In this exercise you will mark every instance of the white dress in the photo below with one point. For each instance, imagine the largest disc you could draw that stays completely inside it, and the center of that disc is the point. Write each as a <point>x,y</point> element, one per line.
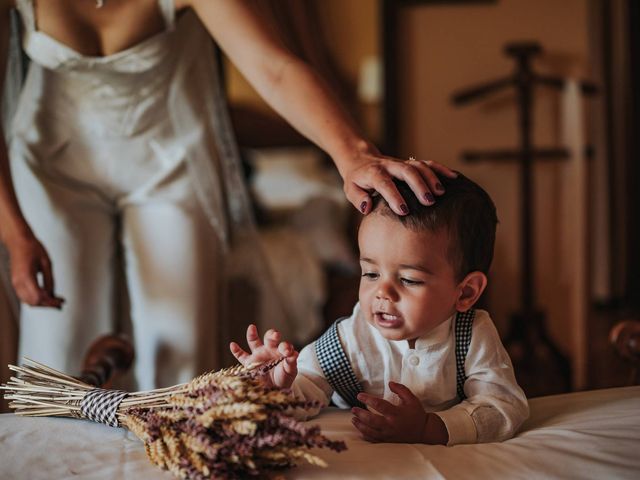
<point>131,157</point>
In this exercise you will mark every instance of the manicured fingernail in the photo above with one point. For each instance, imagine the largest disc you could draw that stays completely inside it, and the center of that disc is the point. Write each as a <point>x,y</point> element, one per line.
<point>404,209</point>
<point>430,198</point>
<point>363,206</point>
<point>439,187</point>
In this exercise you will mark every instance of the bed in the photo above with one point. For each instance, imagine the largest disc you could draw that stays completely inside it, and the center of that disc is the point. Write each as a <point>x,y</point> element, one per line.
<point>594,434</point>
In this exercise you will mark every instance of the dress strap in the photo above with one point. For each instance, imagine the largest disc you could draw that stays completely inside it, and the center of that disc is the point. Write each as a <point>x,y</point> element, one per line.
<point>336,366</point>
<point>168,10</point>
<point>25,8</point>
<point>463,330</point>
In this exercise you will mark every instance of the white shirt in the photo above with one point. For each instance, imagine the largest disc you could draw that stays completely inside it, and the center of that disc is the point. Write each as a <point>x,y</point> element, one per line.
<point>495,406</point>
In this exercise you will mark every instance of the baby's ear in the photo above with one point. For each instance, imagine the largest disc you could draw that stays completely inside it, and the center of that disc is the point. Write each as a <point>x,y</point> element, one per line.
<point>470,289</point>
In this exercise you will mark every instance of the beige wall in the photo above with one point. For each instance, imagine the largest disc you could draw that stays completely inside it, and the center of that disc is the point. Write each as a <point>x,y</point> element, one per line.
<point>351,32</point>
<point>448,47</point>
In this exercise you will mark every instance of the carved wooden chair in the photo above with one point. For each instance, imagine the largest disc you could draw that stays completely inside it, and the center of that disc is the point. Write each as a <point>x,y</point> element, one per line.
<point>625,337</point>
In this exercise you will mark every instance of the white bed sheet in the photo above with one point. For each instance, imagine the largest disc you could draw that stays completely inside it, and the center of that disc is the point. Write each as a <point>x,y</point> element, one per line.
<point>592,434</point>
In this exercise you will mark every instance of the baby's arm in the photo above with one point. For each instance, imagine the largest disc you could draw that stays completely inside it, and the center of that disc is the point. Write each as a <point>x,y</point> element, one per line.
<point>495,406</point>
<point>404,423</point>
<point>311,384</point>
<point>271,349</point>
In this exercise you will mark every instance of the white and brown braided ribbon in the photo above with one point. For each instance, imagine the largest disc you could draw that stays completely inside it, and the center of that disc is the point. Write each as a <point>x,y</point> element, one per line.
<point>102,406</point>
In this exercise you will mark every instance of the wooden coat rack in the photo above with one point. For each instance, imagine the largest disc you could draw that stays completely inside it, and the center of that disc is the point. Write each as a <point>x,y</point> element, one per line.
<point>530,346</point>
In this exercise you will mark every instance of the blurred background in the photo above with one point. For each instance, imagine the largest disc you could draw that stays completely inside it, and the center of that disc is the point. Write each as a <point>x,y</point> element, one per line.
<point>403,68</point>
<point>533,99</point>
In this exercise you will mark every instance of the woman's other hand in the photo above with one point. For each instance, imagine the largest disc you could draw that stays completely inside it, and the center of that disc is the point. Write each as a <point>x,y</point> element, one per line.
<point>32,273</point>
<point>270,349</point>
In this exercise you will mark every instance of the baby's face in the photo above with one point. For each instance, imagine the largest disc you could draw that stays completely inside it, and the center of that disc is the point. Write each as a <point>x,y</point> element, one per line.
<point>408,285</point>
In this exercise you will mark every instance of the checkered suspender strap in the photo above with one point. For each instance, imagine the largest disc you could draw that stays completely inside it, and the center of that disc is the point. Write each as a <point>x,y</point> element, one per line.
<point>336,366</point>
<point>339,373</point>
<point>464,323</point>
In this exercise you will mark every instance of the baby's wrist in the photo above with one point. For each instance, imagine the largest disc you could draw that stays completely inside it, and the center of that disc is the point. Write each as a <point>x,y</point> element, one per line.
<point>435,431</point>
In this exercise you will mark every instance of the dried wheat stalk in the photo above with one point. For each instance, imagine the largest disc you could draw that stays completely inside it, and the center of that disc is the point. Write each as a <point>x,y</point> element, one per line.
<point>224,424</point>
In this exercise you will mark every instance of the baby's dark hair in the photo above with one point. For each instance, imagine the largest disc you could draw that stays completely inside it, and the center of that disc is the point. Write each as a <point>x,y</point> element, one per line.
<point>465,211</point>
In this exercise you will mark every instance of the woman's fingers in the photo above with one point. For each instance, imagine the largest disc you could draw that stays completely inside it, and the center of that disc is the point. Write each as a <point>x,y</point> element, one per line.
<point>428,175</point>
<point>378,175</point>
<point>418,176</point>
<point>29,260</point>
<point>47,275</point>
<point>27,289</point>
<point>374,178</point>
<point>439,168</point>
<point>359,197</point>
<point>48,298</point>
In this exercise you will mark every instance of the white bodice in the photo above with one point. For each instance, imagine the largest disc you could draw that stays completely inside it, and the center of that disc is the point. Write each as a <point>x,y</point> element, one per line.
<point>119,94</point>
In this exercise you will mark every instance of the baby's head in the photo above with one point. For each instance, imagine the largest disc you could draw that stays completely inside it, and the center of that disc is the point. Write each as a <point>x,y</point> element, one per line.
<point>419,269</point>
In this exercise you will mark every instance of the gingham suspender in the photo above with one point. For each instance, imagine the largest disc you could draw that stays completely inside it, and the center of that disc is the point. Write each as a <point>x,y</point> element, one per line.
<point>462,329</point>
<point>338,371</point>
<point>336,366</point>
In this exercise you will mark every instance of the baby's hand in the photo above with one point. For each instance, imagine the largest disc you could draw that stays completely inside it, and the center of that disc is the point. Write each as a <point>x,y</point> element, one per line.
<point>285,372</point>
<point>404,423</point>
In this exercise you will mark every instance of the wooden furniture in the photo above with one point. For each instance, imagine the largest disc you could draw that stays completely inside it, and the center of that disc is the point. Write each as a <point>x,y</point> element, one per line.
<point>625,337</point>
<point>107,358</point>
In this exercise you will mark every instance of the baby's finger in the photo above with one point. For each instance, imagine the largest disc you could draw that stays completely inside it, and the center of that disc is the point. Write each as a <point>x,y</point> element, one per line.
<point>290,364</point>
<point>238,352</point>
<point>253,339</point>
<point>378,404</point>
<point>272,338</point>
<point>368,433</point>
<point>377,422</point>
<point>406,395</point>
<point>285,349</point>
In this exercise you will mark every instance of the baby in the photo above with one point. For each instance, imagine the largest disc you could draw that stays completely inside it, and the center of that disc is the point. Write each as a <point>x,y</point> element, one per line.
<point>414,361</point>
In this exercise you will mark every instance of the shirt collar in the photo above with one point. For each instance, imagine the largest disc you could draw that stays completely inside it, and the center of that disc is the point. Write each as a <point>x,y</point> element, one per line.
<point>434,337</point>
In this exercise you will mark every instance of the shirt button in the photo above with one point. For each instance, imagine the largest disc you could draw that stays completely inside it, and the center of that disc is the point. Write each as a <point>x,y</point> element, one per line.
<point>414,361</point>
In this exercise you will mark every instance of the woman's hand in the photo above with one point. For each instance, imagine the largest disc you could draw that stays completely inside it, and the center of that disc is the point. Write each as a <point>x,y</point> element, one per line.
<point>32,273</point>
<point>285,372</point>
<point>375,172</point>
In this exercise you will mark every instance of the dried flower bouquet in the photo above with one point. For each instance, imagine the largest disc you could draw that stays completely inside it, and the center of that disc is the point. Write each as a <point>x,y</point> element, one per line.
<point>224,424</point>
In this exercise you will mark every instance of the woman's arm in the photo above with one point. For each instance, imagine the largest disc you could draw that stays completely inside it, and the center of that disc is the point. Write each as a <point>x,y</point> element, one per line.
<point>296,92</point>
<point>27,256</point>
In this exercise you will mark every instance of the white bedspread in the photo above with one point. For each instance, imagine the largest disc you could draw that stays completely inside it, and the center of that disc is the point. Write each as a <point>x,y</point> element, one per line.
<point>592,434</point>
